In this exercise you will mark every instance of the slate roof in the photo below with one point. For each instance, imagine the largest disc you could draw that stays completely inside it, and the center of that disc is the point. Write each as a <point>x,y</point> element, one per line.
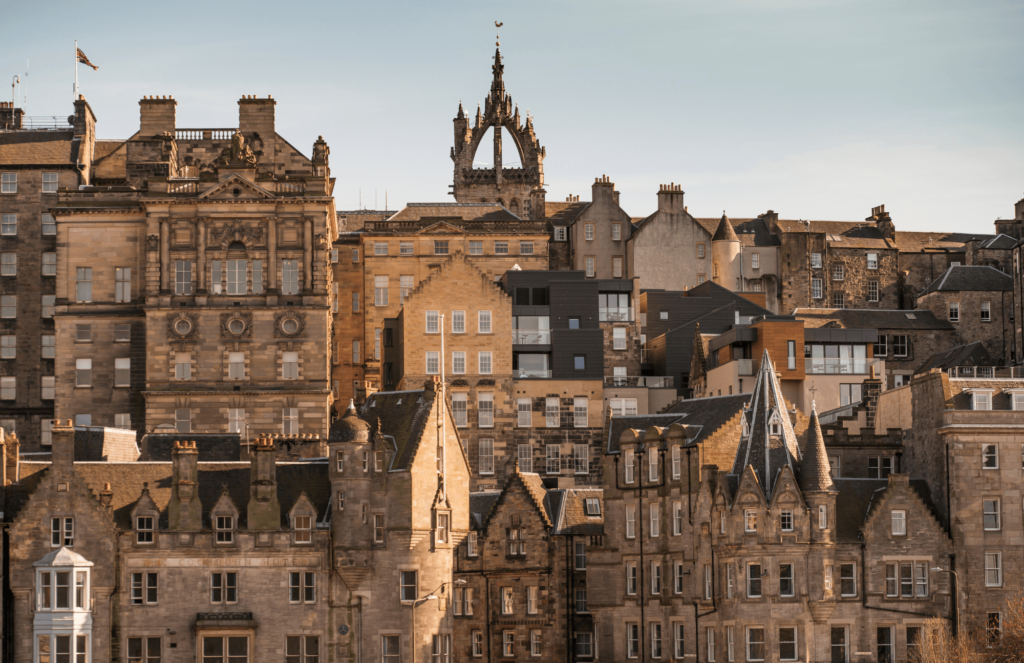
<point>37,148</point>
<point>703,415</point>
<point>976,278</point>
<point>850,234</point>
<point>110,444</point>
<point>971,354</point>
<point>851,318</point>
<point>104,148</point>
<point>571,514</point>
<point>480,505</point>
<point>999,242</point>
<point>564,213</point>
<point>127,481</point>
<point>400,416</point>
<point>463,211</point>
<point>766,454</point>
<point>212,447</point>
<point>918,242</point>
<point>856,499</point>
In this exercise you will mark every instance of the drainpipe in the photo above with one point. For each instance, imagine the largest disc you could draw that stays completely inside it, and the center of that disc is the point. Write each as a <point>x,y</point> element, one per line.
<point>570,587</point>
<point>359,642</point>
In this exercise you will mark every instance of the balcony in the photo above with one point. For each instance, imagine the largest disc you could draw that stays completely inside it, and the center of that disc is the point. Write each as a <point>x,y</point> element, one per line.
<point>985,372</point>
<point>836,366</point>
<point>531,337</point>
<point>530,373</point>
<point>615,314</point>
<point>651,381</point>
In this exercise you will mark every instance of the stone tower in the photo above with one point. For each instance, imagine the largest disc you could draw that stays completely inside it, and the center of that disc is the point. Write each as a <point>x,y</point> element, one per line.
<point>518,189</point>
<point>727,255</point>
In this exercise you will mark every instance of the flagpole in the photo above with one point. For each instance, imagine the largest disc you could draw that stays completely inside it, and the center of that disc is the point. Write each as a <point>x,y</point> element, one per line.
<point>76,71</point>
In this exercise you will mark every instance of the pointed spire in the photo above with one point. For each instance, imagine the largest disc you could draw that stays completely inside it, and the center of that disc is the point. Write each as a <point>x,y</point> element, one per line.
<point>462,113</point>
<point>815,473</point>
<point>725,231</point>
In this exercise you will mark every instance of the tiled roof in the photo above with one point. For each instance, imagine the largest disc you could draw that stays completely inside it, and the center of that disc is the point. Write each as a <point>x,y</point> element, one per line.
<point>851,318</point>
<point>564,213</point>
<point>766,454</point>
<point>725,231</point>
<point>535,487</point>
<point>944,242</point>
<point>703,416</point>
<point>571,517</point>
<point>110,444</point>
<point>618,425</point>
<point>103,148</point>
<point>480,505</point>
<point>127,481</point>
<point>971,354</point>
<point>999,242</point>
<point>978,278</point>
<point>30,148</point>
<point>401,416</point>
<point>464,211</point>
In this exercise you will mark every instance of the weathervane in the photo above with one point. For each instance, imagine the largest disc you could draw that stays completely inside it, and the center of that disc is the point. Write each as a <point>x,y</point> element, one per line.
<point>498,37</point>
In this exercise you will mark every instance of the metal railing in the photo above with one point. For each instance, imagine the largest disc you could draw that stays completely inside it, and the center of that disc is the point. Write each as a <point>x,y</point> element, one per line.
<point>832,416</point>
<point>650,381</point>
<point>38,122</point>
<point>835,366</point>
<point>616,314</point>
<point>204,134</point>
<point>986,372</point>
<point>531,337</point>
<point>527,373</point>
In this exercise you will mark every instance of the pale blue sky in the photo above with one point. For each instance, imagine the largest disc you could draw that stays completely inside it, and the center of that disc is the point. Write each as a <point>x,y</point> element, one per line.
<point>818,109</point>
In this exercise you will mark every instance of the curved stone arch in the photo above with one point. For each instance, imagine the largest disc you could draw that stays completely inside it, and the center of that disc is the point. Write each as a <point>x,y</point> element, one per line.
<point>478,133</point>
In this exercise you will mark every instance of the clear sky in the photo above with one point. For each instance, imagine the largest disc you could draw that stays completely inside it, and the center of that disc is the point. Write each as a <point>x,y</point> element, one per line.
<point>817,109</point>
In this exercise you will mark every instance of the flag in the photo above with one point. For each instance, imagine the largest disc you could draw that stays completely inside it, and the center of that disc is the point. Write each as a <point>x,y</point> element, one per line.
<point>84,60</point>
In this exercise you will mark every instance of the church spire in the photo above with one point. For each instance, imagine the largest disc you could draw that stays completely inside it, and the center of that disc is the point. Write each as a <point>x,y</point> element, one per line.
<point>815,472</point>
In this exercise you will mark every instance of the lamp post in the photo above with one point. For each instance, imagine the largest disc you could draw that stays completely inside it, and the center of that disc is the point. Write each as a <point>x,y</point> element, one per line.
<point>428,597</point>
<point>956,598</point>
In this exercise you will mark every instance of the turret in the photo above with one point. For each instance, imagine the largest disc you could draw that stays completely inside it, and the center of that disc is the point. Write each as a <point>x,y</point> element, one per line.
<point>351,465</point>
<point>816,484</point>
<point>726,255</point>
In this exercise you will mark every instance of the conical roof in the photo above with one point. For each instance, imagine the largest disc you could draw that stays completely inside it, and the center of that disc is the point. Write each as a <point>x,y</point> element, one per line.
<point>725,231</point>
<point>815,473</point>
<point>770,441</point>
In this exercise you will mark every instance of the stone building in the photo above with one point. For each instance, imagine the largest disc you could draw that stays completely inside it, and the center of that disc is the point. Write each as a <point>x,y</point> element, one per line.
<point>599,234</point>
<point>963,436</point>
<point>520,190</point>
<point>978,302</point>
<point>193,288</point>
<point>381,263</point>
<point>36,161</point>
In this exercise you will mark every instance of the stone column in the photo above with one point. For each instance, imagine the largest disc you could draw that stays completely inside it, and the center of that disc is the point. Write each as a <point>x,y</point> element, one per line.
<point>201,256</point>
<point>271,255</point>
<point>165,257</point>
<point>307,255</point>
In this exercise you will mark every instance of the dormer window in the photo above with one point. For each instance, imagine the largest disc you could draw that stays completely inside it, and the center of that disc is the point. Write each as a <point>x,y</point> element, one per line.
<point>775,425</point>
<point>593,506</point>
<point>1016,398</point>
<point>144,529</point>
<point>62,532</point>
<point>303,529</point>
<point>981,399</point>
<point>225,526</point>
<point>746,427</point>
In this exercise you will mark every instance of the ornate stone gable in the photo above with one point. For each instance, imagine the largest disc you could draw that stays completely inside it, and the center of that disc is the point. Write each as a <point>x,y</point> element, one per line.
<point>236,187</point>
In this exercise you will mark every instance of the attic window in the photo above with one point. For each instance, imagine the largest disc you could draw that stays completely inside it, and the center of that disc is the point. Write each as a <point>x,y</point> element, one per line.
<point>911,316</point>
<point>303,529</point>
<point>225,527</point>
<point>775,425</point>
<point>593,506</point>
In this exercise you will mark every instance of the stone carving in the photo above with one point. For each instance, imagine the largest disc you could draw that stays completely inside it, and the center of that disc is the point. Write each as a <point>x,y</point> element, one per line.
<point>187,329</point>
<point>320,241</point>
<point>236,326</point>
<point>153,242</point>
<point>238,153</point>
<point>289,324</point>
<point>250,234</point>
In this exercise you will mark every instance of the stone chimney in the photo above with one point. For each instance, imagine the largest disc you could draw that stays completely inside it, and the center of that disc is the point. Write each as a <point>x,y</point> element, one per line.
<point>63,449</point>
<point>603,191</point>
<point>670,199</point>
<point>157,116</point>
<point>10,117</point>
<point>256,123</point>
<point>85,134</point>
<point>264,510</point>
<point>184,511</point>
<point>11,449</point>
<point>882,221</point>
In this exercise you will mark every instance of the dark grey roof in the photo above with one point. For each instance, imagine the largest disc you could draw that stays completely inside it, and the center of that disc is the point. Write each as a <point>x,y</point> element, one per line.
<point>725,231</point>
<point>960,278</point>
<point>480,505</point>
<point>110,444</point>
<point>618,425</point>
<point>767,454</point>
<point>127,481</point>
<point>999,242</point>
<point>702,416</point>
<point>212,447</point>
<point>971,354</point>
<point>851,318</point>
<point>856,499</point>
<point>401,416</point>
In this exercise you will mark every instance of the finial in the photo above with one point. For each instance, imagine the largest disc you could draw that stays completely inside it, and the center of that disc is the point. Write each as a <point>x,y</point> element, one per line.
<point>497,38</point>
<point>814,407</point>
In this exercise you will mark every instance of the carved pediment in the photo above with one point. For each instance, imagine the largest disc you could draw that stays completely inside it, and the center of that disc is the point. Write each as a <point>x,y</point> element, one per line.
<point>442,228</point>
<point>249,233</point>
<point>236,187</point>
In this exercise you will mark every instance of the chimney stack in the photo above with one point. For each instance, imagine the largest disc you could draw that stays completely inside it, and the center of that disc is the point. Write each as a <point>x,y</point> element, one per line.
<point>184,511</point>
<point>157,116</point>
<point>670,199</point>
<point>10,117</point>
<point>63,449</point>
